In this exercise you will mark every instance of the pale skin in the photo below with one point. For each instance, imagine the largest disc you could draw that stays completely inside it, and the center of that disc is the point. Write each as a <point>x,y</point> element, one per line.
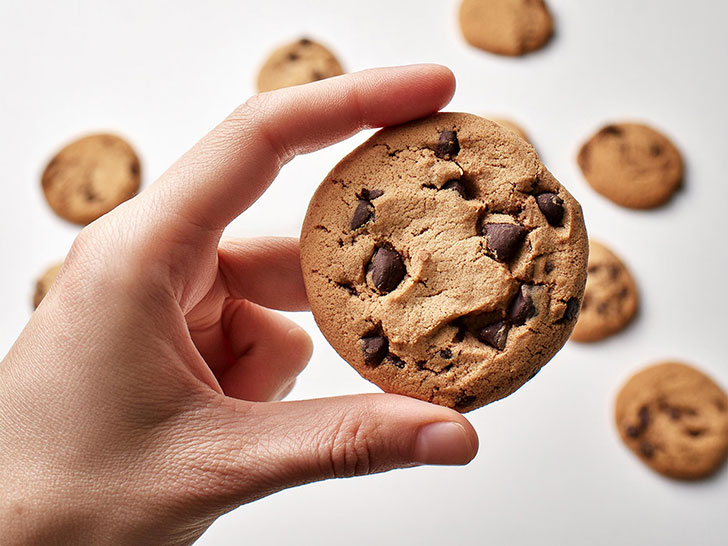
<point>142,400</point>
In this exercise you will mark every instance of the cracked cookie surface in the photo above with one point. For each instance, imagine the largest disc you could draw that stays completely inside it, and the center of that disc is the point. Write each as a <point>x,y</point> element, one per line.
<point>675,419</point>
<point>443,261</point>
<point>303,61</point>
<point>91,176</point>
<point>610,299</point>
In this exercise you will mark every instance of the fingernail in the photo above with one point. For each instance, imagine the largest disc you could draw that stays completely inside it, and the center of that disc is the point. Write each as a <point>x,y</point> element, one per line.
<point>444,443</point>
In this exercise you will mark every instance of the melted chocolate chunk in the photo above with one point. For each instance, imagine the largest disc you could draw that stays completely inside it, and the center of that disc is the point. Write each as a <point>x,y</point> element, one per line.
<point>375,348</point>
<point>387,269</point>
<point>448,145</point>
<point>446,354</point>
<point>495,334</point>
<point>552,207</point>
<point>362,214</point>
<point>456,185</point>
<point>521,307</point>
<point>504,240</point>
<point>373,194</point>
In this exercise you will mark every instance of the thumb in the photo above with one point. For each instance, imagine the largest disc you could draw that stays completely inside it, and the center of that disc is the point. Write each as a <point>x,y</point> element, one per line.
<point>272,446</point>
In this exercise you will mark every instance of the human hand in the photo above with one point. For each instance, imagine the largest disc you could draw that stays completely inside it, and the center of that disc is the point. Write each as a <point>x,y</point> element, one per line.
<point>139,403</point>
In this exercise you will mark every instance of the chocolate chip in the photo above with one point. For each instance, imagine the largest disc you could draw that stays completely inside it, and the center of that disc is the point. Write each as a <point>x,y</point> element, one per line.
<point>387,269</point>
<point>373,194</point>
<point>548,267</point>
<point>456,185</point>
<point>611,130</point>
<point>394,360</point>
<point>316,75</point>
<point>572,310</point>
<point>647,449</point>
<point>552,207</point>
<point>134,168</point>
<point>362,214</point>
<point>448,145</point>
<point>633,431</point>
<point>504,240</point>
<point>446,354</point>
<point>695,432</point>
<point>521,307</point>
<point>293,56</point>
<point>675,413</point>
<point>375,348</point>
<point>304,41</point>
<point>644,415</point>
<point>495,334</point>
<point>656,150</point>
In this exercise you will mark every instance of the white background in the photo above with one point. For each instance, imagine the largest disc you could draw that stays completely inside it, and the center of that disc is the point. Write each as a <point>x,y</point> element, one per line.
<point>551,469</point>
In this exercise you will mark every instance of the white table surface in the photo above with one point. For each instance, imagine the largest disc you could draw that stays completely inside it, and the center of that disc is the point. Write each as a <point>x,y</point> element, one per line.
<point>551,469</point>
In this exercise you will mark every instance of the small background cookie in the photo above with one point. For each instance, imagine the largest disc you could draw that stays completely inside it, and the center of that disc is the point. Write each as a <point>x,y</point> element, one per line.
<point>303,61</point>
<point>675,419</point>
<point>511,126</point>
<point>43,284</point>
<point>632,164</point>
<point>91,176</point>
<point>610,299</point>
<point>507,27</point>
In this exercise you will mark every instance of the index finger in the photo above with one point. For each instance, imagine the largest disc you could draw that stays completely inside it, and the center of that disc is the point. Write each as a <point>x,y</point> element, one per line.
<point>232,166</point>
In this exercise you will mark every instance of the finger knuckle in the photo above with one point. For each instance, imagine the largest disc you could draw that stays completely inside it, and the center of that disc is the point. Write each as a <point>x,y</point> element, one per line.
<point>349,451</point>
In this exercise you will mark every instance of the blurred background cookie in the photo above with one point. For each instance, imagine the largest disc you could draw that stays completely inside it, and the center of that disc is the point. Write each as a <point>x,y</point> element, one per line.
<point>506,27</point>
<point>611,297</point>
<point>632,165</point>
<point>91,176</point>
<point>511,126</point>
<point>44,282</point>
<point>675,419</point>
<point>303,61</point>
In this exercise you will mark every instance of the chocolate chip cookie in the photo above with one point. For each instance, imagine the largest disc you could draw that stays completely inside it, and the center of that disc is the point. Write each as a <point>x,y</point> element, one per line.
<point>675,419</point>
<point>43,284</point>
<point>443,261</point>
<point>91,176</point>
<point>610,299</point>
<point>506,27</point>
<point>303,61</point>
<point>632,164</point>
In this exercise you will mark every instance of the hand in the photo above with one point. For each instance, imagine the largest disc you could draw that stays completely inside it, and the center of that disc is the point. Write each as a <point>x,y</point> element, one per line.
<point>139,403</point>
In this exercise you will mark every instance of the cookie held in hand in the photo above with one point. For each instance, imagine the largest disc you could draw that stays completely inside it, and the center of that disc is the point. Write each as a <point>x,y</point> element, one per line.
<point>443,261</point>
